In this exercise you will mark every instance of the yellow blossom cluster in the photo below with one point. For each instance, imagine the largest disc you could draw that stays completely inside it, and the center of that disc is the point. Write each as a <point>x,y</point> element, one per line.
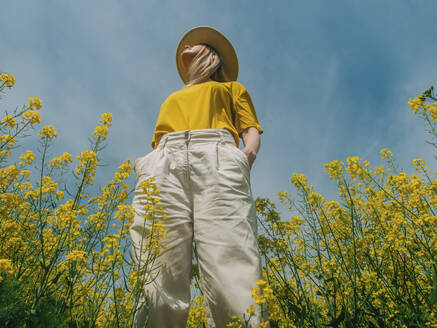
<point>154,212</point>
<point>77,256</point>
<point>236,322</point>
<point>417,103</point>
<point>432,109</point>
<point>196,314</point>
<point>35,102</point>
<point>299,181</point>
<point>334,169</point>
<point>101,131</point>
<point>314,198</point>
<point>59,243</point>
<point>27,158</point>
<point>8,121</point>
<point>124,171</point>
<point>48,132</point>
<point>64,159</point>
<point>262,293</point>
<point>88,163</point>
<point>7,141</point>
<point>7,79</point>
<point>386,155</point>
<point>6,267</point>
<point>106,119</point>
<point>366,259</point>
<point>32,116</point>
<point>374,249</point>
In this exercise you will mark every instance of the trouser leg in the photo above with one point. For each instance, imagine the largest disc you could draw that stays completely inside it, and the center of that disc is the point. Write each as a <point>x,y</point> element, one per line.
<point>225,232</point>
<point>169,292</point>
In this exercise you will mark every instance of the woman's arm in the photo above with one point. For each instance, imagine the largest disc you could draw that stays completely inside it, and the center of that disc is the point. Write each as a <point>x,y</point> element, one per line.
<point>252,143</point>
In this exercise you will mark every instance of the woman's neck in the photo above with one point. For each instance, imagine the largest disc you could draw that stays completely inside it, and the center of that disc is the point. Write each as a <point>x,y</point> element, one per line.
<point>208,80</point>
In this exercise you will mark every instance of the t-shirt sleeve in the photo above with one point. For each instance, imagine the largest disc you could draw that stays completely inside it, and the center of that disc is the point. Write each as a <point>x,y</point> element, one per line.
<point>245,115</point>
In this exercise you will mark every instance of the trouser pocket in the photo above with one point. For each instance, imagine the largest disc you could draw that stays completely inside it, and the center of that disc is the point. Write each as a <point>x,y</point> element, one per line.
<point>144,163</point>
<point>244,156</point>
<point>237,158</point>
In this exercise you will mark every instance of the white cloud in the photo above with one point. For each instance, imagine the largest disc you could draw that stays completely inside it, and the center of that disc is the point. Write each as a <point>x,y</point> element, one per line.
<point>323,88</point>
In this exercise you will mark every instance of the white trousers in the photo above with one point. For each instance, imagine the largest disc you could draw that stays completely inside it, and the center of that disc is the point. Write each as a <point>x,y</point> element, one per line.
<point>204,184</point>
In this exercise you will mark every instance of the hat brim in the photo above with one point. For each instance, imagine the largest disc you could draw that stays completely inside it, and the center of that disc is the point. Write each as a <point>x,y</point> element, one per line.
<point>212,37</point>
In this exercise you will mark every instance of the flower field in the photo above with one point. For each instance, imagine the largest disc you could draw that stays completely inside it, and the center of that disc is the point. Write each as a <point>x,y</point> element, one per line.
<point>367,259</point>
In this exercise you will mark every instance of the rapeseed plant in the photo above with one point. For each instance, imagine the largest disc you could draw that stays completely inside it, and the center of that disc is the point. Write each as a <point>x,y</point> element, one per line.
<point>64,248</point>
<point>366,259</point>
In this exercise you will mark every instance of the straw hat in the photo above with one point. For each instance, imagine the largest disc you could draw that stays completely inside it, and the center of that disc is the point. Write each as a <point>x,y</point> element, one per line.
<point>212,37</point>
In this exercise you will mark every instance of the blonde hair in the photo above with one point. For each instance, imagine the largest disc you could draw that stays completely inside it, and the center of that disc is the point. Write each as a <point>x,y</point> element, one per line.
<point>206,64</point>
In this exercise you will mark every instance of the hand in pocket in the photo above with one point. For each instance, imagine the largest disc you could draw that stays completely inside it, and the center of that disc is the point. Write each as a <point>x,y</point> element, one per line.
<point>250,154</point>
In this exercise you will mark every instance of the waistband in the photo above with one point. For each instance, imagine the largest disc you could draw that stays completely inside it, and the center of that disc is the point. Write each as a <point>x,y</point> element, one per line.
<point>196,136</point>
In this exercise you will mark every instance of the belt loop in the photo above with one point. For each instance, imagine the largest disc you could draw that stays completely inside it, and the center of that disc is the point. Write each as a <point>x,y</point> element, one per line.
<point>217,153</point>
<point>187,136</point>
<point>220,141</point>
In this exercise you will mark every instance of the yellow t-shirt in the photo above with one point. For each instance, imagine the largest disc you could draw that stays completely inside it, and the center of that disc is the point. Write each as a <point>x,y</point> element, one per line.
<point>211,104</point>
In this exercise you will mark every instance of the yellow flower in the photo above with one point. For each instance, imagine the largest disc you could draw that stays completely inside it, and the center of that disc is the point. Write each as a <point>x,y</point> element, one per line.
<point>35,102</point>
<point>334,169</point>
<point>7,79</point>
<point>6,266</point>
<point>7,140</point>
<point>62,160</point>
<point>261,283</point>
<point>416,103</point>
<point>9,121</point>
<point>419,163</point>
<point>48,132</point>
<point>196,315</point>
<point>88,163</point>
<point>284,197</point>
<point>124,171</point>
<point>101,131</point>
<point>251,310</point>
<point>77,256</point>
<point>433,111</point>
<point>106,119</point>
<point>263,324</point>
<point>235,322</point>
<point>386,154</point>
<point>27,158</point>
<point>353,165</point>
<point>294,225</point>
<point>299,181</point>
<point>33,116</point>
<point>87,156</point>
<point>314,198</point>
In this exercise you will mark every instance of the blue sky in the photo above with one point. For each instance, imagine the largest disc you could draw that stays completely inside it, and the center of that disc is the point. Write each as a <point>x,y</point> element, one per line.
<point>329,79</point>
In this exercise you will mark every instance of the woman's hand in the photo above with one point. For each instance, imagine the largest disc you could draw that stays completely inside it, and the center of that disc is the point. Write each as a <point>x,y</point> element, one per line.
<point>251,155</point>
<point>251,140</point>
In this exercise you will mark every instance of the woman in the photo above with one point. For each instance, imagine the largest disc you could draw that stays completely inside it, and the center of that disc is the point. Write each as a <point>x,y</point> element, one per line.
<point>204,183</point>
